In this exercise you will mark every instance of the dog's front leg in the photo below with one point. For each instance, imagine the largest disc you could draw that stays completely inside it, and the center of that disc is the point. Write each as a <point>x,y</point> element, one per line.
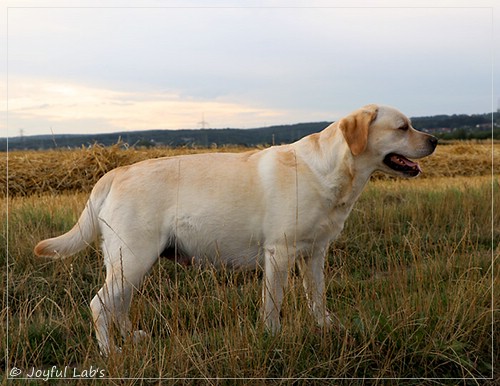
<point>312,271</point>
<point>275,280</point>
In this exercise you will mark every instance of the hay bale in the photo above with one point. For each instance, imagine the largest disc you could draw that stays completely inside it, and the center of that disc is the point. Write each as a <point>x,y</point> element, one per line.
<point>57,171</point>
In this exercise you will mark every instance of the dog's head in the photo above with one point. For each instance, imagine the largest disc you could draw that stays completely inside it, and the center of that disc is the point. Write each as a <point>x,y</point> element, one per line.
<point>384,137</point>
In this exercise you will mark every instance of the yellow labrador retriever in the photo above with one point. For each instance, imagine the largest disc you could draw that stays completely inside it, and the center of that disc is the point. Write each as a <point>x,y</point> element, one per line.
<point>271,208</point>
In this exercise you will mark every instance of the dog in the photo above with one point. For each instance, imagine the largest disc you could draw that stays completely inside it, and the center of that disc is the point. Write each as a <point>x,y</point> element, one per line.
<point>271,209</point>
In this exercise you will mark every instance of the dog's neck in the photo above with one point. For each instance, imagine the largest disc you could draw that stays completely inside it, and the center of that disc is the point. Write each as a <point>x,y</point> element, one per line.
<point>328,155</point>
<point>342,175</point>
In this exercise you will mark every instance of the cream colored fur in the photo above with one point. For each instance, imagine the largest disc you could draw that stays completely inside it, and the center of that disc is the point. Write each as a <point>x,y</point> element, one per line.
<point>268,209</point>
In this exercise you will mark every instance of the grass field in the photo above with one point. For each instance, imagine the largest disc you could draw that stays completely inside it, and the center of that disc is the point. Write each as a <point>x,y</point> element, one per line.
<point>411,277</point>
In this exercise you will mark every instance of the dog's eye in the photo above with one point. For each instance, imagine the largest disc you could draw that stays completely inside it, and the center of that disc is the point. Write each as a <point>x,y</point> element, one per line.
<point>404,127</point>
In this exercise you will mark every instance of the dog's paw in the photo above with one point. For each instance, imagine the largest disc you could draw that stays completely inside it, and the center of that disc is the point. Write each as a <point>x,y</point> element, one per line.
<point>107,352</point>
<point>139,336</point>
<point>336,324</point>
<point>330,322</point>
<point>272,326</point>
<point>324,319</point>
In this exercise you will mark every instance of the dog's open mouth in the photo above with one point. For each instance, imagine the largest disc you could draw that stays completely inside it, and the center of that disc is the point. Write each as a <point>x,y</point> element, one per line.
<point>402,164</point>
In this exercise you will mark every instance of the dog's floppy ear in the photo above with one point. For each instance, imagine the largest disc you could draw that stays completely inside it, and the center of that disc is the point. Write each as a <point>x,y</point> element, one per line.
<point>355,128</point>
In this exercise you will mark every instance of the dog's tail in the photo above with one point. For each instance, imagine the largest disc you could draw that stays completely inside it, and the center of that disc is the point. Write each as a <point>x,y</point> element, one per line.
<point>85,231</point>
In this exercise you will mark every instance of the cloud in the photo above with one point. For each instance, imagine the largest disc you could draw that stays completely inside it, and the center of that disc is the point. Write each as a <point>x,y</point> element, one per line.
<point>108,69</point>
<point>68,107</point>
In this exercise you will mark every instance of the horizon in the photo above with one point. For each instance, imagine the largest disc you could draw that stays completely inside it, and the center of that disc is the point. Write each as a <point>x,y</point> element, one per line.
<point>224,128</point>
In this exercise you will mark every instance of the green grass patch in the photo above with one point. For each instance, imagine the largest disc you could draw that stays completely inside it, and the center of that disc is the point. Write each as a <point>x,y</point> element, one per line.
<point>410,278</point>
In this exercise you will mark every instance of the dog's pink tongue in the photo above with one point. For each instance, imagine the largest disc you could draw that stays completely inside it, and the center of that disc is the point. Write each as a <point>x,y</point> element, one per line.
<point>403,161</point>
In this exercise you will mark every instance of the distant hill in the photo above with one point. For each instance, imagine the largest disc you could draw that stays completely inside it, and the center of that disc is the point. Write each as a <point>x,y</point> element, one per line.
<point>174,138</point>
<point>456,126</point>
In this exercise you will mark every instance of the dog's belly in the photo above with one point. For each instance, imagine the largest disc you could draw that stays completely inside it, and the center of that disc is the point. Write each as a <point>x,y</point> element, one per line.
<point>215,242</point>
<point>216,254</point>
<point>247,259</point>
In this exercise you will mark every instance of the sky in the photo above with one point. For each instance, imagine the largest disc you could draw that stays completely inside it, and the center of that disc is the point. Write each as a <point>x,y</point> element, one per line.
<point>93,66</point>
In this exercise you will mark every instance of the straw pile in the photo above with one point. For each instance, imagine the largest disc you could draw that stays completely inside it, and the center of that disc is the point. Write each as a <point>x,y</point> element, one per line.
<point>60,170</point>
<point>57,171</point>
<point>463,159</point>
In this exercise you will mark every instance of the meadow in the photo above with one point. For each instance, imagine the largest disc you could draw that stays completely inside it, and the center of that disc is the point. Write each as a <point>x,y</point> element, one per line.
<point>411,278</point>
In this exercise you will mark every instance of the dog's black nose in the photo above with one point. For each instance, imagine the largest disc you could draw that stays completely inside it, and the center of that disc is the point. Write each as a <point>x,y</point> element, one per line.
<point>433,141</point>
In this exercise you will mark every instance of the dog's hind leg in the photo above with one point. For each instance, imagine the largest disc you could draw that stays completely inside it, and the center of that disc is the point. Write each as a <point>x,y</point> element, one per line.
<point>110,306</point>
<point>124,272</point>
<point>277,266</point>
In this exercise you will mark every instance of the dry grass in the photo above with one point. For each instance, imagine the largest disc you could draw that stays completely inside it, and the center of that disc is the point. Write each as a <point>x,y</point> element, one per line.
<point>57,171</point>
<point>462,159</point>
<point>411,278</point>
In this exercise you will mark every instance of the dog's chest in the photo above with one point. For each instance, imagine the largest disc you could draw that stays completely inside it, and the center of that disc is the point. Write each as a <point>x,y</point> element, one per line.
<point>337,207</point>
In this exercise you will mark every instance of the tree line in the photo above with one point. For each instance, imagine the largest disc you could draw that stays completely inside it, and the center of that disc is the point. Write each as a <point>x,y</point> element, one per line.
<point>456,126</point>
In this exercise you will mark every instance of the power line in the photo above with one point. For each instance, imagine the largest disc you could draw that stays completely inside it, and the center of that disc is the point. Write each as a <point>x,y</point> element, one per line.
<point>203,123</point>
